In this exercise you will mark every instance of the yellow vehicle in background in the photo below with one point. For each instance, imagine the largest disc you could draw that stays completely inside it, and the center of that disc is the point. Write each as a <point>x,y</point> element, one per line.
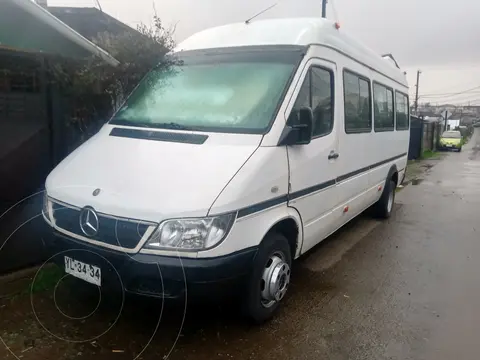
<point>451,140</point>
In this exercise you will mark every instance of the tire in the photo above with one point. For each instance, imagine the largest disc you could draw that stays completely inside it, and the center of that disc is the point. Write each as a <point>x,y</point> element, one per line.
<point>274,253</point>
<point>384,207</point>
<point>460,149</point>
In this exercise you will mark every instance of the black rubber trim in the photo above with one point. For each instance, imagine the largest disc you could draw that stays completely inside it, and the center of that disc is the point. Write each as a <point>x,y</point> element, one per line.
<point>366,168</point>
<point>185,138</point>
<point>284,198</point>
<point>311,189</point>
<point>352,174</point>
<point>261,206</point>
<point>387,160</point>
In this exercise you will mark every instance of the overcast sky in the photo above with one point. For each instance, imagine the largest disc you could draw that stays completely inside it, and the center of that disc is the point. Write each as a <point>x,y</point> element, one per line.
<point>440,37</point>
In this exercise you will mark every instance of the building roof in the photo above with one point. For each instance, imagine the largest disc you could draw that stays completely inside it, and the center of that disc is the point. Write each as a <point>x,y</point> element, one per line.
<point>432,119</point>
<point>89,21</point>
<point>428,113</point>
<point>290,31</point>
<point>26,26</point>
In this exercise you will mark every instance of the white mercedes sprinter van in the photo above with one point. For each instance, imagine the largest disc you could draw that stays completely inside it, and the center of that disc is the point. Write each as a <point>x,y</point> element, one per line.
<point>261,141</point>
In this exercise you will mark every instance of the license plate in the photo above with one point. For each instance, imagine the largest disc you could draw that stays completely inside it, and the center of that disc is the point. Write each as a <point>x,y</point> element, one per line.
<point>449,145</point>
<point>87,272</point>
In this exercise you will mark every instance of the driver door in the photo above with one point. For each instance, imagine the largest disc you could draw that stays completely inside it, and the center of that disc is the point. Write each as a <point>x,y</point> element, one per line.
<point>313,167</point>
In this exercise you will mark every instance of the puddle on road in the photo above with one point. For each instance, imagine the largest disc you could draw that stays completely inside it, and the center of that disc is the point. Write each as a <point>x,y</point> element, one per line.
<point>417,181</point>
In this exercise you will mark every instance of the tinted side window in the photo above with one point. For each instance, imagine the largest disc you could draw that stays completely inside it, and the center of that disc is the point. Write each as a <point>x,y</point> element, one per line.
<point>322,101</point>
<point>303,100</point>
<point>317,93</point>
<point>401,106</point>
<point>384,118</point>
<point>357,98</point>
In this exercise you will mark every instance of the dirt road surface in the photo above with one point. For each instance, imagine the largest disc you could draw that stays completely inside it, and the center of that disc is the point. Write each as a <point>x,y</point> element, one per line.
<point>407,288</point>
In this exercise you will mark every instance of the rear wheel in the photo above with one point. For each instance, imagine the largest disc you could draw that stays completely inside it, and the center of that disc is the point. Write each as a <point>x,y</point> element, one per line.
<point>269,279</point>
<point>384,207</point>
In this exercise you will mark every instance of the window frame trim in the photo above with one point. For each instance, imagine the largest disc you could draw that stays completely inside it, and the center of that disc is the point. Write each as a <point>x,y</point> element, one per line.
<point>370,93</point>
<point>385,129</point>
<point>332,95</point>
<point>408,111</point>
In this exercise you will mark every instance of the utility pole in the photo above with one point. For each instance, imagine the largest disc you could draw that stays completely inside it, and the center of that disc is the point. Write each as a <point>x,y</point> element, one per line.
<point>416,92</point>
<point>324,8</point>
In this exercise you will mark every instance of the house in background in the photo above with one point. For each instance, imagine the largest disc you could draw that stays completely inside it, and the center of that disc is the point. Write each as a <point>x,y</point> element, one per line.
<point>31,120</point>
<point>89,21</point>
<point>30,134</point>
<point>452,124</point>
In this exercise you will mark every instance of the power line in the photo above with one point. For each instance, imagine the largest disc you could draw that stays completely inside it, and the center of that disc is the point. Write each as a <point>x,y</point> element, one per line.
<point>449,94</point>
<point>453,87</point>
<point>471,102</point>
<point>457,98</point>
<point>445,97</point>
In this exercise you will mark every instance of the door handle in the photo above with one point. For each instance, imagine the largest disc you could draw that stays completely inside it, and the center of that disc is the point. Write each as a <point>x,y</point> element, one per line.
<point>333,155</point>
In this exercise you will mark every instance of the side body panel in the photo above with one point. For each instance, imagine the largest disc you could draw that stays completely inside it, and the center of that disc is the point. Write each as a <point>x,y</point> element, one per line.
<point>312,171</point>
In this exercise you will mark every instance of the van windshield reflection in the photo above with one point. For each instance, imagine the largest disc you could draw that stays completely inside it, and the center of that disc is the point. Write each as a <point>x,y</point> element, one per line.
<point>238,92</point>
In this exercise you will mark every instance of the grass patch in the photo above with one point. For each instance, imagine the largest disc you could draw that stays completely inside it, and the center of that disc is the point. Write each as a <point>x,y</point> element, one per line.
<point>47,278</point>
<point>428,154</point>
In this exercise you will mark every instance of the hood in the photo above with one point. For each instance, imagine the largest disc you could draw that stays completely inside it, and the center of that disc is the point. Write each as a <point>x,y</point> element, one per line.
<point>450,141</point>
<point>148,179</point>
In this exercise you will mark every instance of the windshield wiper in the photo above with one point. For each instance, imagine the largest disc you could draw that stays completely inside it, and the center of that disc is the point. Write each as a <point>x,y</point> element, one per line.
<point>170,125</point>
<point>173,125</point>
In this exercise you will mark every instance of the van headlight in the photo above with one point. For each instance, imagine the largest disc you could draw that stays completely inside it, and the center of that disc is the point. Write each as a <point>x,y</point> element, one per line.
<point>191,234</point>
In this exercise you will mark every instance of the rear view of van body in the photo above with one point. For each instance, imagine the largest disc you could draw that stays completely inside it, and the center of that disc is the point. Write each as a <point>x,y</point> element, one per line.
<point>257,143</point>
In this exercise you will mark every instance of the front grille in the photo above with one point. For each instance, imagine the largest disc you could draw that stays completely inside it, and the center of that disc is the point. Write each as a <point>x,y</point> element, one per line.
<point>112,231</point>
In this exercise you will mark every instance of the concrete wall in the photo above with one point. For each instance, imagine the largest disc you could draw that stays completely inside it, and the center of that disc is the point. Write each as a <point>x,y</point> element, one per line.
<point>431,135</point>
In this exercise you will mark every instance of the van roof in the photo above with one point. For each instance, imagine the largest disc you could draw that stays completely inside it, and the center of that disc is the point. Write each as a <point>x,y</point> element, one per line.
<point>291,31</point>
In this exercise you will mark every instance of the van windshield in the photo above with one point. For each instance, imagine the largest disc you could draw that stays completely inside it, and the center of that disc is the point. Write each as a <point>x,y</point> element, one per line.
<point>452,135</point>
<point>235,91</point>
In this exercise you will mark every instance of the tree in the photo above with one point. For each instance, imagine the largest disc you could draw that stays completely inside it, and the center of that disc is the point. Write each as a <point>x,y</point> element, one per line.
<point>138,53</point>
<point>93,84</point>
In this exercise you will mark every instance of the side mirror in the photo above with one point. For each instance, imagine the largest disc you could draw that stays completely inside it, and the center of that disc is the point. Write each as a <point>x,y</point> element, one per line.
<point>299,128</point>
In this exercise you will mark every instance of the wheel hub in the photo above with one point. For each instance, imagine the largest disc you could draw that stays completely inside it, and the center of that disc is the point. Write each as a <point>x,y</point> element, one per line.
<point>275,280</point>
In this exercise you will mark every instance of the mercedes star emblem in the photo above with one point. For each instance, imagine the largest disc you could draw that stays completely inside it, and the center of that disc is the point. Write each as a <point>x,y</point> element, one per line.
<point>96,192</point>
<point>89,221</point>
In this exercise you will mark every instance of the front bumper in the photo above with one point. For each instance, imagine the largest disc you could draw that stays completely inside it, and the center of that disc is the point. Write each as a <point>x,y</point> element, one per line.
<point>451,147</point>
<point>159,276</point>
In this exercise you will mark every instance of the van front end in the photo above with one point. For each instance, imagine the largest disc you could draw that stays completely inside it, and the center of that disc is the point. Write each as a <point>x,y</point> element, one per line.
<point>187,244</point>
<point>119,269</point>
<point>150,227</point>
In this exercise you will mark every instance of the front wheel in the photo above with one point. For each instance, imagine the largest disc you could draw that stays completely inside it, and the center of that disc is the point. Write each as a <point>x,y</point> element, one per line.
<point>460,149</point>
<point>269,280</point>
<point>383,208</point>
